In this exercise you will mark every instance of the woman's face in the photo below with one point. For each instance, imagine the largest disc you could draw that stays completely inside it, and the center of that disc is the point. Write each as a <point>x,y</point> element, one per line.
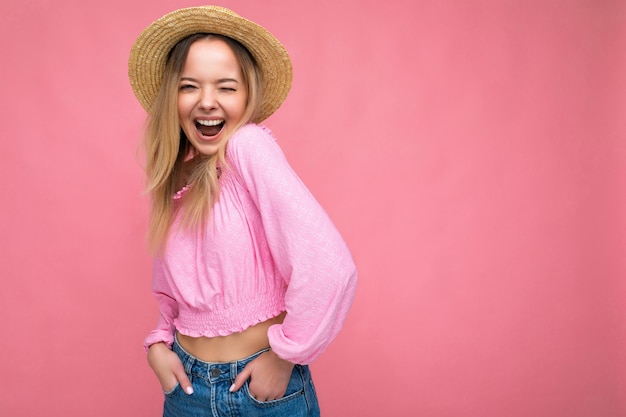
<point>212,95</point>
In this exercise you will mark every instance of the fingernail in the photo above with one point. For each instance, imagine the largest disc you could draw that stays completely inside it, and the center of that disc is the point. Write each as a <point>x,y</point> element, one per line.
<point>189,390</point>
<point>232,388</point>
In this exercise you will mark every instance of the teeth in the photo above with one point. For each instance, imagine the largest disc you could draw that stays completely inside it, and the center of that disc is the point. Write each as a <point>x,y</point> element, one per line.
<point>209,122</point>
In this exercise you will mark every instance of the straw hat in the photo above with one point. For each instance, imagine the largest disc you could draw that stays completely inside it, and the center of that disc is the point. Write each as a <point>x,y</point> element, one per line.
<point>149,52</point>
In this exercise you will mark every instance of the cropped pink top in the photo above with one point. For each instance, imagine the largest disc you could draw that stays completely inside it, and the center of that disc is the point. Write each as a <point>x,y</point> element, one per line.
<point>268,247</point>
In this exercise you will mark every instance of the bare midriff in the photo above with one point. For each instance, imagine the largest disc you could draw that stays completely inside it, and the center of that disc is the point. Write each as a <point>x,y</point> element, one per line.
<point>232,347</point>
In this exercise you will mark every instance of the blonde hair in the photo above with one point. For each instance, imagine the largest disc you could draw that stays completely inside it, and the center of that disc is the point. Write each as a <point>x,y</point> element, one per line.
<point>167,147</point>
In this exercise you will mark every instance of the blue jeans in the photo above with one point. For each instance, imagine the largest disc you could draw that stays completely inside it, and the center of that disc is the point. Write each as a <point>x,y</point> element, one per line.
<point>211,397</point>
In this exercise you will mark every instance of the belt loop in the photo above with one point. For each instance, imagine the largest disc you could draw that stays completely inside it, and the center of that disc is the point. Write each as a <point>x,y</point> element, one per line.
<point>234,370</point>
<point>189,360</point>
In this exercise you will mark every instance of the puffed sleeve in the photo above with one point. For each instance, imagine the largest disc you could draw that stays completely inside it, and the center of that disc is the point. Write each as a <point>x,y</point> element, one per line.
<point>309,252</point>
<point>168,308</point>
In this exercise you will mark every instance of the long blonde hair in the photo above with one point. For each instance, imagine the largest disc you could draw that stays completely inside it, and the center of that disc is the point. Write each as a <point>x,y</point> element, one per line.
<point>167,147</point>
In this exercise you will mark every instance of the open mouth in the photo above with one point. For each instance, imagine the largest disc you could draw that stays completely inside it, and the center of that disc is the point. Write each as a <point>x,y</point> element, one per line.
<point>209,127</point>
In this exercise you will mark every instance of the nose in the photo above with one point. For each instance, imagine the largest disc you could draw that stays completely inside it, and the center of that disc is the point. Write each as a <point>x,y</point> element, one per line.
<point>207,99</point>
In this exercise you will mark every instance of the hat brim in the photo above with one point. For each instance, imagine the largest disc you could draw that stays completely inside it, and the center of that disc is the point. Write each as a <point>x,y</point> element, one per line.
<point>149,53</point>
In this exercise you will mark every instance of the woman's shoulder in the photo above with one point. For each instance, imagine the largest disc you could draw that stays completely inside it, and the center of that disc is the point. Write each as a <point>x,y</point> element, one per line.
<point>250,138</point>
<point>252,131</point>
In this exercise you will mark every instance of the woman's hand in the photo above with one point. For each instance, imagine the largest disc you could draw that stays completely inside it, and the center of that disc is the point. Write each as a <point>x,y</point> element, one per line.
<point>168,368</point>
<point>269,376</point>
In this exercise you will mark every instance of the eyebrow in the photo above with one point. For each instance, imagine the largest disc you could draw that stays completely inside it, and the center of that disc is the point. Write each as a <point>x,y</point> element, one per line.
<point>221,80</point>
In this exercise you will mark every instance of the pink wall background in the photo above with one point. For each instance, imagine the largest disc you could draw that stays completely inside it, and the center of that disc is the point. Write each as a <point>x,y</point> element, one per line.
<point>471,152</point>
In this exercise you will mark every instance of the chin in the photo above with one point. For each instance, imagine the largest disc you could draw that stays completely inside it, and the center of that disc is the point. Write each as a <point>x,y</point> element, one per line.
<point>206,148</point>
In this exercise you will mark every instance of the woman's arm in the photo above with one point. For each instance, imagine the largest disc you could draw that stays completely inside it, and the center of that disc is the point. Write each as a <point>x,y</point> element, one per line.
<point>306,247</point>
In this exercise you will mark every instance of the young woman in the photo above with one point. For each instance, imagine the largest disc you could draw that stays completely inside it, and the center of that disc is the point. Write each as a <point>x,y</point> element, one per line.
<point>252,279</point>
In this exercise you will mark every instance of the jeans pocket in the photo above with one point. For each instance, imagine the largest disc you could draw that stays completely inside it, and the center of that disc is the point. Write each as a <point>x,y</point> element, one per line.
<point>172,391</point>
<point>295,389</point>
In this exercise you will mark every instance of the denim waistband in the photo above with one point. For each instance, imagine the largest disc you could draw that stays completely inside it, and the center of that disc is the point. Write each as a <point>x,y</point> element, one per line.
<point>213,372</point>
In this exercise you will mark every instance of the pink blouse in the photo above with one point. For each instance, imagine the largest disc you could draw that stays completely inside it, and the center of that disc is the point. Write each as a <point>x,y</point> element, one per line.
<point>268,247</point>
